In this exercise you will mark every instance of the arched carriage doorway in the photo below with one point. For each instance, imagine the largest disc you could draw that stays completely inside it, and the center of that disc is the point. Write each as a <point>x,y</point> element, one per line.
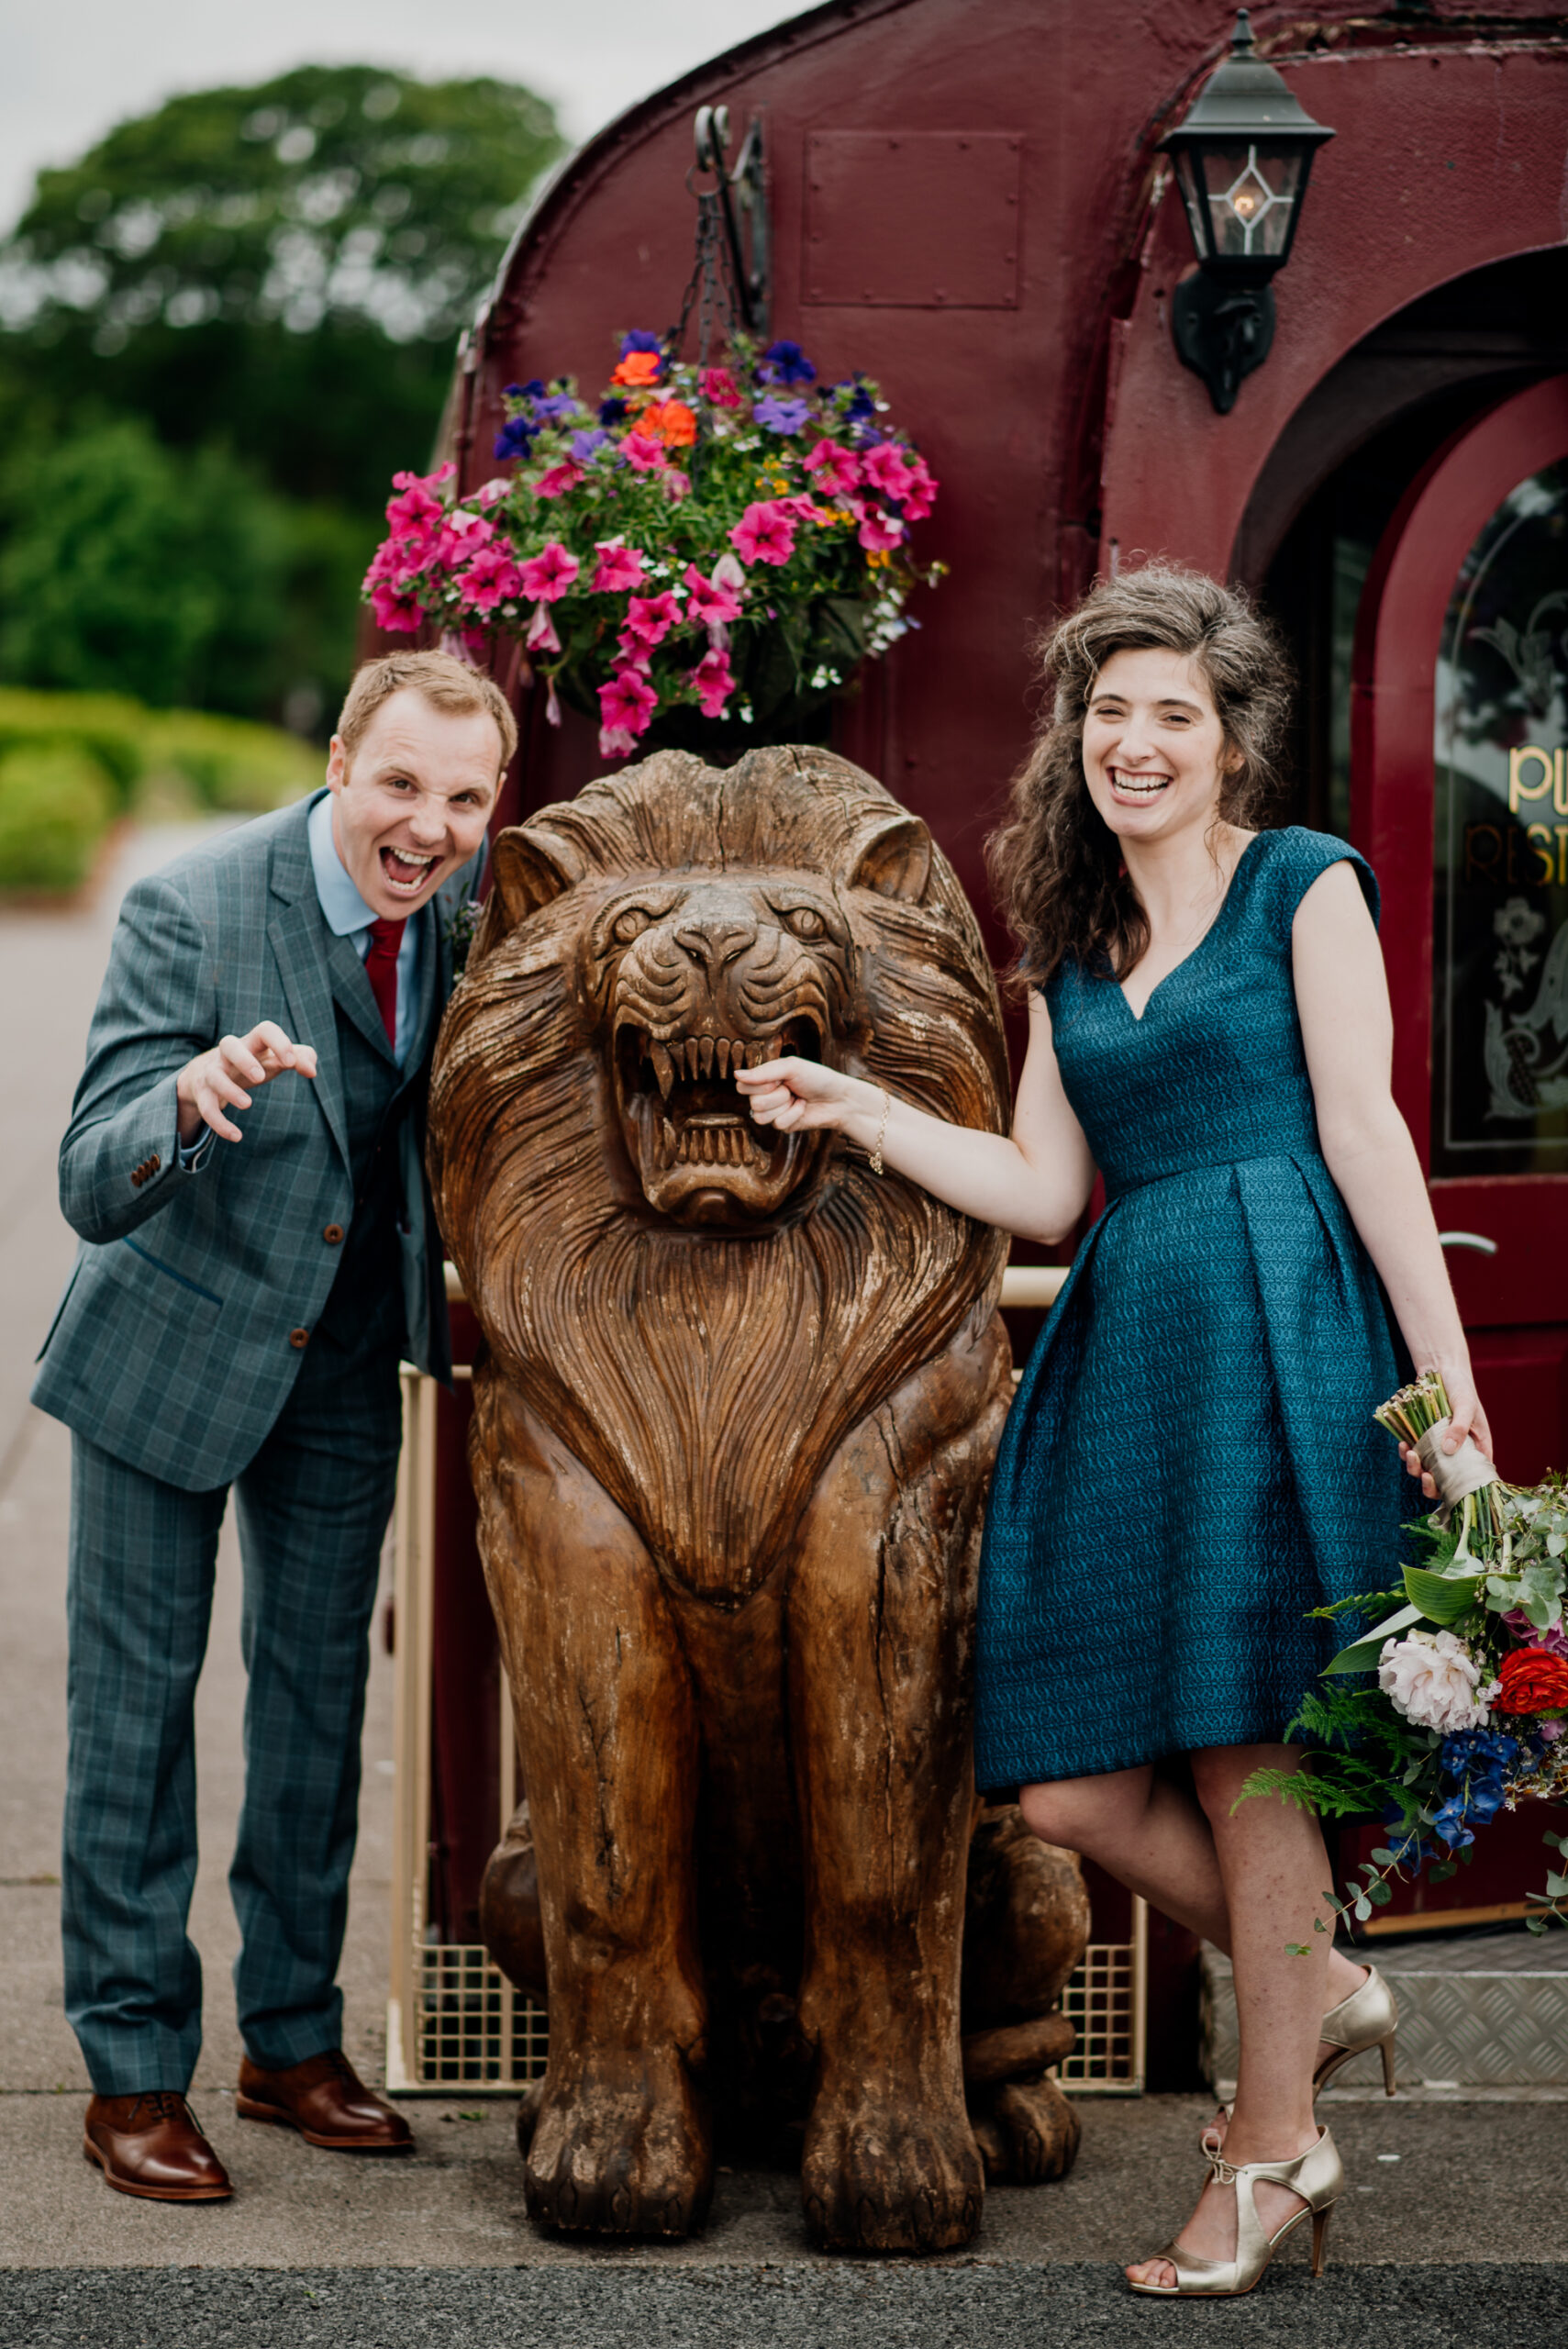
<point>1423,579</point>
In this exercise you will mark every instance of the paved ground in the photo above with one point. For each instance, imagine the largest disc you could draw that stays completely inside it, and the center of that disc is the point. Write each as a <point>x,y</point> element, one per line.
<point>1456,2229</point>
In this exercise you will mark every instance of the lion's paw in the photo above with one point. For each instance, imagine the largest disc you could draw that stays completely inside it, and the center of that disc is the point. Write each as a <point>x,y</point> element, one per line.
<point>1027,2131</point>
<point>621,2152</point>
<point>881,2177</point>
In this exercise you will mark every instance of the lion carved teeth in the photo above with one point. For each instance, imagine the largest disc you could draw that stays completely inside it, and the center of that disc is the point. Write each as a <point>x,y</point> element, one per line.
<point>721,1055</point>
<point>663,1068</point>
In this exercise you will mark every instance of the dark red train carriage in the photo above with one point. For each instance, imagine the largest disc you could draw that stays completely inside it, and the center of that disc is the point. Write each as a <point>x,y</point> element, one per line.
<point>970,200</point>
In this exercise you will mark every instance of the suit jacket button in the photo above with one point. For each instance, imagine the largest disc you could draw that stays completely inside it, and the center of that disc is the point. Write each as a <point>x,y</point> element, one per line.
<point>298,1338</point>
<point>333,1233</point>
<point>153,1164</point>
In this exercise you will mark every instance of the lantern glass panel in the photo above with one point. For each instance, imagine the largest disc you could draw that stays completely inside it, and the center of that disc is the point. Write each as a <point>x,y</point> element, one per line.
<point>1251,191</point>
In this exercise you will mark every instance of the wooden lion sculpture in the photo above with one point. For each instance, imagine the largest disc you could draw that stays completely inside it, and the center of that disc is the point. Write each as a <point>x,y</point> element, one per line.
<point>731,1433</point>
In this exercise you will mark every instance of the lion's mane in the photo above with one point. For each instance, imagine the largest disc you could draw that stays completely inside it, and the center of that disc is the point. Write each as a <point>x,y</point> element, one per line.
<point>706,1377</point>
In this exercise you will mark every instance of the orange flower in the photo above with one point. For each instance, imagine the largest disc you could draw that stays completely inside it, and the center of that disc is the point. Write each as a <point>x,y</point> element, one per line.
<point>671,422</point>
<point>638,368</point>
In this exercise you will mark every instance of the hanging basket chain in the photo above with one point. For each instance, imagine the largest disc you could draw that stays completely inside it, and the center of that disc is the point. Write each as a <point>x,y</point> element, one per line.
<point>711,288</point>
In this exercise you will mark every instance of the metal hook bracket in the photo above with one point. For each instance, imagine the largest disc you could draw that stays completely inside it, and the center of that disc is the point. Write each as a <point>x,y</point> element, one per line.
<point>742,196</point>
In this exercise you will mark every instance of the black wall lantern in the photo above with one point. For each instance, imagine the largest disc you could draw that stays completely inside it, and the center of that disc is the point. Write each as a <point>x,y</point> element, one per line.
<point>1241,156</point>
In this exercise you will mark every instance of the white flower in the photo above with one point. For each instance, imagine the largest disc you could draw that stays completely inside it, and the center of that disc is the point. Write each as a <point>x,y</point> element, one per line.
<point>1432,1678</point>
<point>1517,922</point>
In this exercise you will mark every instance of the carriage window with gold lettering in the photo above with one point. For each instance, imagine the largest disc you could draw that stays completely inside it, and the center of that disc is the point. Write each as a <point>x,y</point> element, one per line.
<point>1500,938</point>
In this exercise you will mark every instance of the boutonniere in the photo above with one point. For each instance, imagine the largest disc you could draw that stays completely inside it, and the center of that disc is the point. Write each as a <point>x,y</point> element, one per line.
<point>461,924</point>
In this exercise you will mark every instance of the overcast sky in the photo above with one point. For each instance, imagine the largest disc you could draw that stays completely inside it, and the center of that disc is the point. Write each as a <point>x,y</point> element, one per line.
<point>72,71</point>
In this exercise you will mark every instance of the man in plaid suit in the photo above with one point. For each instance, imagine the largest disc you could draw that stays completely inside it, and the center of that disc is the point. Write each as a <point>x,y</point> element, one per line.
<point>243,1165</point>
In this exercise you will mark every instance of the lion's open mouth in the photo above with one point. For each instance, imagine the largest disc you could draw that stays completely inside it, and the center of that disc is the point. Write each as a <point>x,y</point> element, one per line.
<point>681,1093</point>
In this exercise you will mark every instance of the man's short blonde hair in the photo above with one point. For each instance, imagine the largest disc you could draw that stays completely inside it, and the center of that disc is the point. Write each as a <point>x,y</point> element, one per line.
<point>445,682</point>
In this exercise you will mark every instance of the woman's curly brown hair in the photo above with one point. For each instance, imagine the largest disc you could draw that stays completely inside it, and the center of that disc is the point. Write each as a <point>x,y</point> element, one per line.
<point>1055,865</point>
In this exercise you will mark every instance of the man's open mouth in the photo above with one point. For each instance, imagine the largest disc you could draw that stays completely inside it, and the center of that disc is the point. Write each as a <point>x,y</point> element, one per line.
<point>680,1092</point>
<point>406,871</point>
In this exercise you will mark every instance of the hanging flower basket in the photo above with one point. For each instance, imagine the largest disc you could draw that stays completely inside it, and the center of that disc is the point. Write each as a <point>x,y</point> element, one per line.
<point>709,552</point>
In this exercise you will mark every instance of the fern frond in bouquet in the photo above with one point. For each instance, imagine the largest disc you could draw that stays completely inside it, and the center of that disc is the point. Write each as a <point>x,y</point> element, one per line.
<point>1469,1715</point>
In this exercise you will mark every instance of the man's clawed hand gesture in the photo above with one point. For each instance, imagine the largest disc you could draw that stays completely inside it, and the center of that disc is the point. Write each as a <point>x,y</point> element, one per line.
<point>220,1077</point>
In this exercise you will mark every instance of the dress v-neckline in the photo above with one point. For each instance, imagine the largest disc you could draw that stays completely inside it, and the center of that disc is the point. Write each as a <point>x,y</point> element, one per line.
<point>1138,1017</point>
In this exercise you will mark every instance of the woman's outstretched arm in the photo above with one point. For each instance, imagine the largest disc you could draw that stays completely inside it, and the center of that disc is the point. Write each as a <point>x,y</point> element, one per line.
<point>1341,995</point>
<point>1035,1185</point>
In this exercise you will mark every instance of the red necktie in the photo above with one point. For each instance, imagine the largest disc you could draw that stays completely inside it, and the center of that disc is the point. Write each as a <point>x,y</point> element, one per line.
<point>381,969</point>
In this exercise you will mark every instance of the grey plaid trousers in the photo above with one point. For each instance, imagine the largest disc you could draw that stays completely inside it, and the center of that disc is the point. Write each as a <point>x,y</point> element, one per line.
<point>313,1507</point>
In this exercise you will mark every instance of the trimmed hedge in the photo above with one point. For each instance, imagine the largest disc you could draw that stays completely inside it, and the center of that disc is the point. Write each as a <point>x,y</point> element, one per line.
<point>101,754</point>
<point>56,803</point>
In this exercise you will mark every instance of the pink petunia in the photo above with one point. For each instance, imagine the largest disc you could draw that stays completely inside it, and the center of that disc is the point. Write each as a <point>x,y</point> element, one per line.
<point>883,468</point>
<point>714,682</point>
<point>417,505</point>
<point>646,456</point>
<point>710,599</point>
<point>541,636</point>
<point>836,470</point>
<point>677,485</point>
<point>558,479</point>
<point>626,708</point>
<point>462,534</point>
<point>490,578</point>
<point>766,533</point>
<point>395,607</point>
<point>619,567</point>
<point>650,619</point>
<point>728,573</point>
<point>879,533</point>
<point>920,494</point>
<point>549,575</point>
<point>718,388</point>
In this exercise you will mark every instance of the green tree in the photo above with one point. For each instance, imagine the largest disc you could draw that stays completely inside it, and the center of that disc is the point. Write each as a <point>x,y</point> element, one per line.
<point>129,568</point>
<point>283,267</point>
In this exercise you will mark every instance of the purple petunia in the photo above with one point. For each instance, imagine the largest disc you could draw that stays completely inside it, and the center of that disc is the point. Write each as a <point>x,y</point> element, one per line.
<point>780,416</point>
<point>785,363</point>
<point>583,444</point>
<point>639,339</point>
<point>516,438</point>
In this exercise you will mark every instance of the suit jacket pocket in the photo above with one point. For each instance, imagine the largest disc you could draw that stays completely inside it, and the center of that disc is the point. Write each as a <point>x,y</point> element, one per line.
<point>159,1280</point>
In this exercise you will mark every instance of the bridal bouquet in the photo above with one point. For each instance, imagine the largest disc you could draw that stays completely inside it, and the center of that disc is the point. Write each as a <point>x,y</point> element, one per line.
<point>728,542</point>
<point>1469,1715</point>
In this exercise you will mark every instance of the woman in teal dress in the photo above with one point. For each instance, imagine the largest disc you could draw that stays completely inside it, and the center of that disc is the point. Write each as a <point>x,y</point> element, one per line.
<point>1191,1464</point>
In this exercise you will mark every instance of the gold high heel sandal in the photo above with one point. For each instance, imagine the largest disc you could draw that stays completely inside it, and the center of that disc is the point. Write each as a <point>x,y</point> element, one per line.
<point>1317,2175</point>
<point>1367,2019</point>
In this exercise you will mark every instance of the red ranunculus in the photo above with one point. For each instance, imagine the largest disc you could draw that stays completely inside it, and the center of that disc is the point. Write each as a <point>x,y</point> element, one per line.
<point>1534,1681</point>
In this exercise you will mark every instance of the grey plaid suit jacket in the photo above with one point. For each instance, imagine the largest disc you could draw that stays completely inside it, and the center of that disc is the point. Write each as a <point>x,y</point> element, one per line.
<point>171,1347</point>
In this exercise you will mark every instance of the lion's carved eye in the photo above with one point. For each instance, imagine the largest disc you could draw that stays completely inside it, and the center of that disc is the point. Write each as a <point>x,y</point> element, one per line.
<point>806,922</point>
<point>630,925</point>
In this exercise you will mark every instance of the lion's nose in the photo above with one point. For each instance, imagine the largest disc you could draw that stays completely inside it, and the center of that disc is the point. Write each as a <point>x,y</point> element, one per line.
<point>716,943</point>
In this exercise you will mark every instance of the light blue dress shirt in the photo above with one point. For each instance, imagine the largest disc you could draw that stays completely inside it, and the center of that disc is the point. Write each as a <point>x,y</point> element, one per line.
<point>348,916</point>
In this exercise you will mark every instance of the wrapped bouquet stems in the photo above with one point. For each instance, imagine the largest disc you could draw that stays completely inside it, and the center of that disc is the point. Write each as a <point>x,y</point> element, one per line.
<point>1469,1714</point>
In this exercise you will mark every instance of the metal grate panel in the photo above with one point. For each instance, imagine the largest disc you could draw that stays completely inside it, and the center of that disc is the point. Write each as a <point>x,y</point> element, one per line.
<point>472,2029</point>
<point>1102,2001</point>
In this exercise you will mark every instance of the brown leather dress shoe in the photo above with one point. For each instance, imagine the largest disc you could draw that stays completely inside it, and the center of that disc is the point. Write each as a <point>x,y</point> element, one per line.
<point>153,2145</point>
<point>327,2102</point>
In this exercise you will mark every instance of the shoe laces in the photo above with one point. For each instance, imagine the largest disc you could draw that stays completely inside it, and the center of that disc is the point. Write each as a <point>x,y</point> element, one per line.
<point>167,2104</point>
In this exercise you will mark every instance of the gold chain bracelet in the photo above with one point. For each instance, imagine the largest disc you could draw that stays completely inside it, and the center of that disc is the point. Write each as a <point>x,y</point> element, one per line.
<point>881,1133</point>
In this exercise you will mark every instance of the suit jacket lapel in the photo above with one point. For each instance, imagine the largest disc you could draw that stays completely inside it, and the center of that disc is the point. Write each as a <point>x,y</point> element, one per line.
<point>298,934</point>
<point>351,986</point>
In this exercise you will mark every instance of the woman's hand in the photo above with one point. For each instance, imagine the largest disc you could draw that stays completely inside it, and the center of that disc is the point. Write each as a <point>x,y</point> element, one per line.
<point>1466,1418</point>
<point>799,1095</point>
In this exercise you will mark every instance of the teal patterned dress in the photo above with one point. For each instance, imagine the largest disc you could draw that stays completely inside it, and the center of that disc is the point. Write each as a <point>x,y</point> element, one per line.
<point>1190,1464</point>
